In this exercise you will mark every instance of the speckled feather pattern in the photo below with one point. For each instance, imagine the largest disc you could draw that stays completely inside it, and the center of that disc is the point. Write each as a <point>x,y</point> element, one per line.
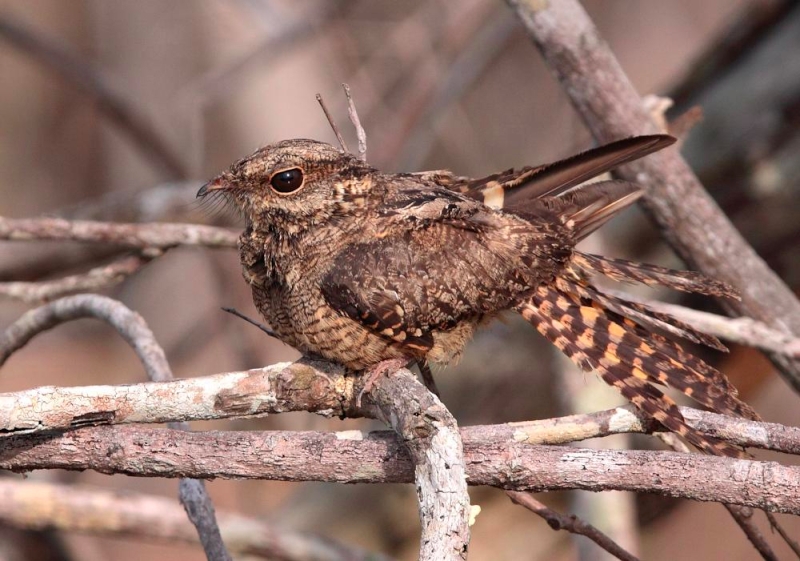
<point>360,266</point>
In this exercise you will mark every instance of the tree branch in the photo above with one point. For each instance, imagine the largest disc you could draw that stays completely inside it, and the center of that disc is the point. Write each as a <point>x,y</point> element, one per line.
<point>137,334</point>
<point>353,457</point>
<point>689,218</point>
<point>571,524</point>
<point>430,435</point>
<point>95,279</point>
<point>154,235</point>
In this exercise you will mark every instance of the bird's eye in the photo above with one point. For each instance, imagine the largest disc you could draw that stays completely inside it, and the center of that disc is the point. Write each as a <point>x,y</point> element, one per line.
<point>287,181</point>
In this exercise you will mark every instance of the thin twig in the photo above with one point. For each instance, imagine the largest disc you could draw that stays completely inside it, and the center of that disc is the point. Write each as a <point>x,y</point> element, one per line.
<point>261,326</point>
<point>361,134</point>
<point>118,110</point>
<point>571,524</point>
<point>333,124</point>
<point>95,279</point>
<point>137,334</point>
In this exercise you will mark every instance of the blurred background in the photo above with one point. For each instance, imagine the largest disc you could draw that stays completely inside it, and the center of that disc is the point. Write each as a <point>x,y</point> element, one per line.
<point>116,110</point>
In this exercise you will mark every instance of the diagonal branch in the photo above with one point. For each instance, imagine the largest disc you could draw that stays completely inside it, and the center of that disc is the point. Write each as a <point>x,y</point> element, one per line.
<point>571,524</point>
<point>689,218</point>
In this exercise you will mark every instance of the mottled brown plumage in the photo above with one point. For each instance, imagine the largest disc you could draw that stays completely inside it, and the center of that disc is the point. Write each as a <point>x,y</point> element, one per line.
<point>360,267</point>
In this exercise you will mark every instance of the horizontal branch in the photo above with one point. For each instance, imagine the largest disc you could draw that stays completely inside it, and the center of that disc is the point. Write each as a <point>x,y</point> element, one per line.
<point>322,388</point>
<point>38,505</point>
<point>353,457</point>
<point>152,235</point>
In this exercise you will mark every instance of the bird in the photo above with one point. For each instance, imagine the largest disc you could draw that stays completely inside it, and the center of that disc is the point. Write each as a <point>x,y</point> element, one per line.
<point>376,270</point>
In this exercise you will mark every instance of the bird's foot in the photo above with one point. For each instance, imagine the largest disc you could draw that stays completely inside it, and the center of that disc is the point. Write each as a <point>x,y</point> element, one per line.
<point>376,371</point>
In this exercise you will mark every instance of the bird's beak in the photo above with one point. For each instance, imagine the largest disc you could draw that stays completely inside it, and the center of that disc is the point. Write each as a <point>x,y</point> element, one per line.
<point>214,185</point>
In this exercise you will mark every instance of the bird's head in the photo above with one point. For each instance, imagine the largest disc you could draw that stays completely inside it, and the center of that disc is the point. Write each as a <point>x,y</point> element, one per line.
<point>289,186</point>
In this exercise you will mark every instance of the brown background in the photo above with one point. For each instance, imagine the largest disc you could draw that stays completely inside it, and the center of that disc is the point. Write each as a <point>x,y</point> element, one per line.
<point>438,85</point>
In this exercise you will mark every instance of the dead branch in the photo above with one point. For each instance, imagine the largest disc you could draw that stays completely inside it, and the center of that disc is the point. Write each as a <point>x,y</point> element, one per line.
<point>332,123</point>
<point>689,218</point>
<point>571,524</point>
<point>37,505</point>
<point>353,457</point>
<point>118,110</point>
<point>323,388</point>
<point>129,324</point>
<point>424,424</point>
<point>153,235</point>
<point>95,279</point>
<point>361,134</point>
<point>430,435</point>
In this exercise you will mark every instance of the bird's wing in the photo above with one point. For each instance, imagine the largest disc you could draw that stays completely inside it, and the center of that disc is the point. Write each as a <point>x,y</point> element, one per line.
<point>438,259</point>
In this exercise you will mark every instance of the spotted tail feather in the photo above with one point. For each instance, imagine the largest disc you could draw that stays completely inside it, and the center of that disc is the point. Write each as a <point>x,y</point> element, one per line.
<point>628,358</point>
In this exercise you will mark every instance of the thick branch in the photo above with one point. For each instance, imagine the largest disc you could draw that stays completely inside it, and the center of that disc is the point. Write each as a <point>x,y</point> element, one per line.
<point>153,235</point>
<point>688,216</point>
<point>431,436</point>
<point>353,457</point>
<point>39,505</point>
<point>322,388</point>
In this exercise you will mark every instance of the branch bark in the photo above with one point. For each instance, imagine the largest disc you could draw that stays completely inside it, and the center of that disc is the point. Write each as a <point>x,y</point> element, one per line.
<point>352,457</point>
<point>153,235</point>
<point>689,218</point>
<point>430,435</point>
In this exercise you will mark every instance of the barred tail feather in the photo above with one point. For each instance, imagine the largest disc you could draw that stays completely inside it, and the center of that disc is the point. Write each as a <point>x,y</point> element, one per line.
<point>643,315</point>
<point>598,340</point>
<point>652,275</point>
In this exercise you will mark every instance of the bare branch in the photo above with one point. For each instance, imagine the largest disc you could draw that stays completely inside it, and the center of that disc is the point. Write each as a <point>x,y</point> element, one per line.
<point>689,218</point>
<point>742,515</point>
<point>129,324</point>
<point>353,457</point>
<point>571,524</point>
<point>323,388</point>
<point>153,235</point>
<point>430,434</point>
<point>95,279</point>
<point>118,111</point>
<point>361,134</point>
<point>39,505</point>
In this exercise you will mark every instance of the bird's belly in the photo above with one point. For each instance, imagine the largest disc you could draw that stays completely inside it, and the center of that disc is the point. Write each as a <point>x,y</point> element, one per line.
<point>303,319</point>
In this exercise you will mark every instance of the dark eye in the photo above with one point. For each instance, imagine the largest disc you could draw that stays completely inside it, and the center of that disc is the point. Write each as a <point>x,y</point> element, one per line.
<point>287,181</point>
